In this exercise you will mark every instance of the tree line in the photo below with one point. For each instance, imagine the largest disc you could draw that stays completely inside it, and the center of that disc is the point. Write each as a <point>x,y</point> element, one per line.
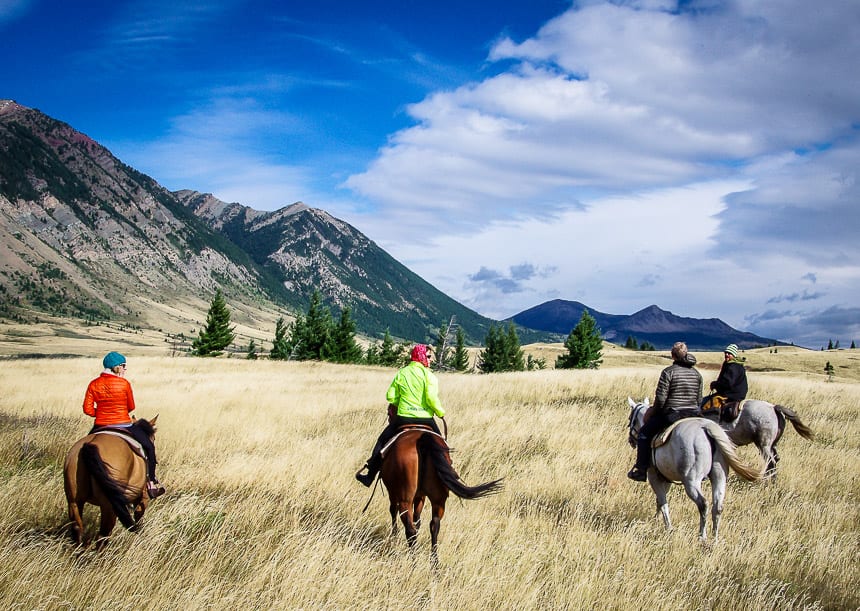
<point>317,335</point>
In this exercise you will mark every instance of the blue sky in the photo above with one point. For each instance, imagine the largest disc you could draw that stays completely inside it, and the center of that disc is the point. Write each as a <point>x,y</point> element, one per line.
<point>697,155</point>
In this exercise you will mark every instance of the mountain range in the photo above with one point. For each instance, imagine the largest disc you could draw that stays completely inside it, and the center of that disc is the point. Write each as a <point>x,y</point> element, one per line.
<point>84,235</point>
<point>658,327</point>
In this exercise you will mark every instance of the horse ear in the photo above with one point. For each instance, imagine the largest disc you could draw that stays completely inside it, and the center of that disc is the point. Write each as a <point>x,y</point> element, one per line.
<point>631,402</point>
<point>152,422</point>
<point>646,402</point>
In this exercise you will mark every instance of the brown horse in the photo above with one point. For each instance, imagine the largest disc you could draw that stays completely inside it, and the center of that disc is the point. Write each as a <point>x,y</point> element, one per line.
<point>102,469</point>
<point>415,466</point>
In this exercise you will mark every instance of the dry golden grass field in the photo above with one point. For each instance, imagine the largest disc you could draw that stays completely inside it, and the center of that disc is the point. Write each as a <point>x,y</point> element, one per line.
<point>262,510</point>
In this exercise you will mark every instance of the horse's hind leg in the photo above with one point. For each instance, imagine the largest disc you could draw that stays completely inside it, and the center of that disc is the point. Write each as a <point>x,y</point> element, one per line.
<point>435,524</point>
<point>417,508</point>
<point>108,521</point>
<point>718,490</point>
<point>76,511</point>
<point>660,486</point>
<point>404,508</point>
<point>694,491</point>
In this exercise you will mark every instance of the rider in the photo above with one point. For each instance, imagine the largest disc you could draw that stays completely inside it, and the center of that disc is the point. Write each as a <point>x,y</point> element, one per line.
<point>109,399</point>
<point>414,394</point>
<point>732,381</point>
<point>679,394</point>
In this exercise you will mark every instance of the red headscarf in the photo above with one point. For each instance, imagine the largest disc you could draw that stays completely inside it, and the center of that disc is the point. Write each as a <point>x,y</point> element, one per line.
<point>419,353</point>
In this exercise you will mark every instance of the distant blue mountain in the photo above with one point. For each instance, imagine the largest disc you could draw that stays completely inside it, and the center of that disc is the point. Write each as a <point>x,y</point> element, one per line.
<point>652,324</point>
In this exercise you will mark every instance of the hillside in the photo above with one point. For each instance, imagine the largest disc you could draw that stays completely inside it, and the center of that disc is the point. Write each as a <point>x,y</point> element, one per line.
<point>84,235</point>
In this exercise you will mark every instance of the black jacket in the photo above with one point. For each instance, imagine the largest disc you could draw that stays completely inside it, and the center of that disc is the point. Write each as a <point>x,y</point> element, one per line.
<point>732,381</point>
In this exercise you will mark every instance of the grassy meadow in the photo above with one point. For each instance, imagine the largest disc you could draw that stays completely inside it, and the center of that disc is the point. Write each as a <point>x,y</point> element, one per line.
<point>262,510</point>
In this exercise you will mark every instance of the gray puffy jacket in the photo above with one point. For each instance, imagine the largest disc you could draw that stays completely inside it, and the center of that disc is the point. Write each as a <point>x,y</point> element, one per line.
<point>680,386</point>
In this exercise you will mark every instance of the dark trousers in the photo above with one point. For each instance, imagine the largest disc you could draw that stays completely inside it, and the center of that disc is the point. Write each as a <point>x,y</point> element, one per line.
<point>143,439</point>
<point>375,461</point>
<point>657,423</point>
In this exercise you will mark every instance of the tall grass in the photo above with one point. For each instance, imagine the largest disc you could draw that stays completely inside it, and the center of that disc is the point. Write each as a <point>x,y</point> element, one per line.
<point>262,510</point>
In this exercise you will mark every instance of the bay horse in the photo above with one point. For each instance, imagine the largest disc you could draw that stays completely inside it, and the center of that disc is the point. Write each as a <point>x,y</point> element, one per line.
<point>688,452</point>
<point>759,422</point>
<point>416,465</point>
<point>103,469</point>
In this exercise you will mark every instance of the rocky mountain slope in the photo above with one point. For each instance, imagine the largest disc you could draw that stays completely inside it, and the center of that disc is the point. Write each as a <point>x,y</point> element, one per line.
<point>85,235</point>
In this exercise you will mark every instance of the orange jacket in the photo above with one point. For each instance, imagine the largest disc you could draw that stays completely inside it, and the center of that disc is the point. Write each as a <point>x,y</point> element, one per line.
<point>109,399</point>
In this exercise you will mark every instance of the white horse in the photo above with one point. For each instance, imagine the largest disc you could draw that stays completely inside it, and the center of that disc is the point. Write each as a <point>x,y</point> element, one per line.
<point>696,448</point>
<point>763,423</point>
<point>759,422</point>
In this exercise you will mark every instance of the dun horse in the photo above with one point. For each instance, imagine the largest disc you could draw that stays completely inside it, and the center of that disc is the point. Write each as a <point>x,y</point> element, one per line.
<point>416,466</point>
<point>102,469</point>
<point>696,448</point>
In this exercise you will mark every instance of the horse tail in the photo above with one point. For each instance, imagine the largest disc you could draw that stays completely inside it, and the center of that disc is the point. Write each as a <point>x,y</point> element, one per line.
<point>803,430</point>
<point>727,449</point>
<point>113,491</point>
<point>429,446</point>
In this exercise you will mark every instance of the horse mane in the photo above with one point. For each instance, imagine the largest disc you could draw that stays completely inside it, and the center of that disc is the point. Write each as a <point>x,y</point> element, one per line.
<point>145,425</point>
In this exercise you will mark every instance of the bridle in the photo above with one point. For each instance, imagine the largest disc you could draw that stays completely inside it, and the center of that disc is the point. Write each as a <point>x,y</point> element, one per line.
<point>634,423</point>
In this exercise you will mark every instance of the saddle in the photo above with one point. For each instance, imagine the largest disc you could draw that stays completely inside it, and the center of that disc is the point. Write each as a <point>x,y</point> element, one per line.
<point>405,428</point>
<point>133,443</point>
<point>719,408</point>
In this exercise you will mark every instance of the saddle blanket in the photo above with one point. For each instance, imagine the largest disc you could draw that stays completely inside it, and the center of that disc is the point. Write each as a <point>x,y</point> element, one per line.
<point>663,437</point>
<point>133,443</point>
<point>391,441</point>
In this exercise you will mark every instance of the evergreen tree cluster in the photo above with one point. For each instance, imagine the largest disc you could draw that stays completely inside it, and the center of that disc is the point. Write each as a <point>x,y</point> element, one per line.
<point>502,351</point>
<point>316,336</point>
<point>633,344</point>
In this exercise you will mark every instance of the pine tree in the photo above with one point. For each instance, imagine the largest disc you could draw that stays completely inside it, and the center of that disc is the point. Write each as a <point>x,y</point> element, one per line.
<point>252,350</point>
<point>218,333</point>
<point>340,346</point>
<point>631,343</point>
<point>830,344</point>
<point>390,355</point>
<point>828,369</point>
<point>502,351</point>
<point>311,336</point>
<point>280,346</point>
<point>583,346</point>
<point>852,345</point>
<point>460,360</point>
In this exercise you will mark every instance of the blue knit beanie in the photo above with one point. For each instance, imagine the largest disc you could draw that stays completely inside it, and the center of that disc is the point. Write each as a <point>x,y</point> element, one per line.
<point>113,359</point>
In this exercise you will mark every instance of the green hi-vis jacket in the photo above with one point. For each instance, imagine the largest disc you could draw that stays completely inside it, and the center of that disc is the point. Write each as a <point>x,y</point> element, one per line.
<point>415,392</point>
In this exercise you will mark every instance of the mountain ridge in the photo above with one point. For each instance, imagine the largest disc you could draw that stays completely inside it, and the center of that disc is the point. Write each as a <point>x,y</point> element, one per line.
<point>652,324</point>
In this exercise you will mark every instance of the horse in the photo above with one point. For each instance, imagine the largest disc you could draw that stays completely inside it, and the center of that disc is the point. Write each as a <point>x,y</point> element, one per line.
<point>758,422</point>
<point>696,448</point>
<point>104,469</point>
<point>763,423</point>
<point>416,465</point>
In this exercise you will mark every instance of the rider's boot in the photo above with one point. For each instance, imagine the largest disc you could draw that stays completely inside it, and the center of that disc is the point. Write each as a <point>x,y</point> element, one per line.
<point>372,466</point>
<point>643,457</point>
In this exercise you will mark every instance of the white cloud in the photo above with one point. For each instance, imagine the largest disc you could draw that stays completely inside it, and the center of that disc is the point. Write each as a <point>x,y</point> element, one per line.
<point>575,157</point>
